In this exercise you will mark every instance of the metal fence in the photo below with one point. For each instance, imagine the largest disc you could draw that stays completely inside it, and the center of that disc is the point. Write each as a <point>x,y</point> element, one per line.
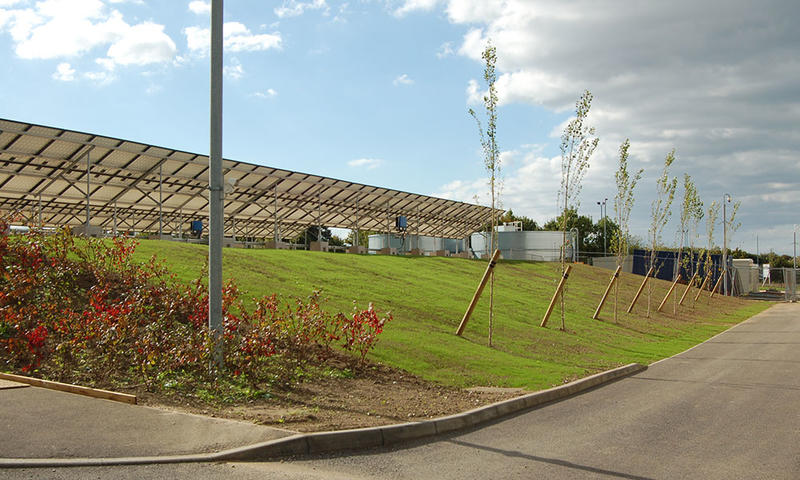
<point>781,281</point>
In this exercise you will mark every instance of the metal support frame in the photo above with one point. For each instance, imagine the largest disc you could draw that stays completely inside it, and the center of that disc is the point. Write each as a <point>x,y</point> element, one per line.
<point>275,227</point>
<point>88,190</point>
<point>160,201</point>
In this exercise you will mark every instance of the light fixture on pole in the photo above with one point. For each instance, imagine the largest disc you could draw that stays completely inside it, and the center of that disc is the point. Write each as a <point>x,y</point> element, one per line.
<point>576,250</point>
<point>726,198</point>
<point>603,214</point>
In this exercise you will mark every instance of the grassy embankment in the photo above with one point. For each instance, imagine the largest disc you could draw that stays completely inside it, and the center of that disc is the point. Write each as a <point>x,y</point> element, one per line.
<point>428,296</point>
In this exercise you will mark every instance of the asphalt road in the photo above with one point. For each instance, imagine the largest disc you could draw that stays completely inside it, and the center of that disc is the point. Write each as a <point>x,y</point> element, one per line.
<point>729,408</point>
<point>40,423</point>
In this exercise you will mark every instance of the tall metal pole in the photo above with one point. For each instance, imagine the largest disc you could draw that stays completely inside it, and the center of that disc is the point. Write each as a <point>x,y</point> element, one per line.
<point>88,188</point>
<point>160,202</point>
<point>794,256</point>
<point>40,212</point>
<point>275,228</point>
<point>605,215</point>
<point>758,253</point>
<point>216,192</point>
<point>726,198</point>
<point>355,237</point>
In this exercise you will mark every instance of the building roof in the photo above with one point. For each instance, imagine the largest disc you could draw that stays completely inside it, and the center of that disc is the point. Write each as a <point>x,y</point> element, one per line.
<point>43,174</point>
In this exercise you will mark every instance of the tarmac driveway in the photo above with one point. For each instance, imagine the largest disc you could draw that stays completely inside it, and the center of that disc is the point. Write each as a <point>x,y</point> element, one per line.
<point>729,408</point>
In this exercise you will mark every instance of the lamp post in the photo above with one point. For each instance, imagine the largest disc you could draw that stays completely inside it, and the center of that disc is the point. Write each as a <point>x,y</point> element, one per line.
<point>216,189</point>
<point>603,213</point>
<point>576,250</point>
<point>725,200</point>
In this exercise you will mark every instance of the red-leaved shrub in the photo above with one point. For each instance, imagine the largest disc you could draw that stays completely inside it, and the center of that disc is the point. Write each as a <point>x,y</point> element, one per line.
<point>81,309</point>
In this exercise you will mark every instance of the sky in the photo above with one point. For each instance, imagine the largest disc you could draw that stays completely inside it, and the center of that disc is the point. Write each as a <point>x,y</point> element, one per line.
<point>378,92</point>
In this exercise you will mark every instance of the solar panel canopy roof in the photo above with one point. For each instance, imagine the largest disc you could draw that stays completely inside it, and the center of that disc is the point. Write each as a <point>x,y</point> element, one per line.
<point>46,172</point>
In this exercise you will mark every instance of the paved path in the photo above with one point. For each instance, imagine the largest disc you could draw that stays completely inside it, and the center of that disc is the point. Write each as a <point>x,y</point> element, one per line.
<point>40,423</point>
<point>729,408</point>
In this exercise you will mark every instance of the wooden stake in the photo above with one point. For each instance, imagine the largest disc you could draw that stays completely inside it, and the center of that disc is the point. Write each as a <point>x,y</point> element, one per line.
<point>641,287</point>
<point>66,387</point>
<point>677,279</point>
<point>688,286</point>
<point>716,286</point>
<point>702,287</point>
<point>478,292</point>
<point>555,295</point>
<point>608,289</point>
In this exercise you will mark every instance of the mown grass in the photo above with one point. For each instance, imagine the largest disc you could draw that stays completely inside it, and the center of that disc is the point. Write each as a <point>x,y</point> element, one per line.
<point>428,296</point>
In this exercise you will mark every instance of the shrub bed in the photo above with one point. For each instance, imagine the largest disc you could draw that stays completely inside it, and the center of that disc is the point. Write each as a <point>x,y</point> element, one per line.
<point>81,310</point>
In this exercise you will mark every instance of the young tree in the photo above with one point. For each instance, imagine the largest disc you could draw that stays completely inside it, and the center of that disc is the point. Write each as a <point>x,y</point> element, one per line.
<point>711,220</point>
<point>660,211</point>
<point>623,204</point>
<point>577,145</point>
<point>691,213</point>
<point>491,158</point>
<point>732,227</point>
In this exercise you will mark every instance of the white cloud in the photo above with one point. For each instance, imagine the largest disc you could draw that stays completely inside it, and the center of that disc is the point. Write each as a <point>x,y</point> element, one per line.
<point>717,80</point>
<point>415,6</point>
<point>368,163</point>
<point>403,79</point>
<point>200,7</point>
<point>527,184</point>
<point>69,29</point>
<point>294,8</point>
<point>474,93</point>
<point>445,50</point>
<point>64,72</point>
<point>101,77</point>
<point>234,71</point>
<point>142,44</point>
<point>268,93</point>
<point>236,38</point>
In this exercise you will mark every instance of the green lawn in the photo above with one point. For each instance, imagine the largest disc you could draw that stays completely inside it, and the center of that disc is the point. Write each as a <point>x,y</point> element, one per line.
<point>428,296</point>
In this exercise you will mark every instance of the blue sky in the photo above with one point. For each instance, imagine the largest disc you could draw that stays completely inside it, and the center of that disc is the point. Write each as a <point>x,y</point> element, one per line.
<point>378,91</point>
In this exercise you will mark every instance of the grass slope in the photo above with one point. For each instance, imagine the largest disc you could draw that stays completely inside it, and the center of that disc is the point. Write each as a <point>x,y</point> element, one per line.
<point>428,297</point>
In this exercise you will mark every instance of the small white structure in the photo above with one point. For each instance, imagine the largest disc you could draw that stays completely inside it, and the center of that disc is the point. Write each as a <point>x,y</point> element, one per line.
<point>539,245</point>
<point>91,231</point>
<point>417,244</point>
<point>745,275</point>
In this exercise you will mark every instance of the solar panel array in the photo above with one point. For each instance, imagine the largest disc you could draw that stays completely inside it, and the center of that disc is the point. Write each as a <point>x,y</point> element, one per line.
<point>46,172</point>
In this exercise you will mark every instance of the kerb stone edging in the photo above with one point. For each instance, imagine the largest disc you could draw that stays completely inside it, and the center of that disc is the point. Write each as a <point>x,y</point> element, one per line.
<point>355,439</point>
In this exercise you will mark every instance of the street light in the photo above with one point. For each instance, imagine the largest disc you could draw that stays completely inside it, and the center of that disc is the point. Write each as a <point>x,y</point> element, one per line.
<point>576,250</point>
<point>725,200</point>
<point>603,213</point>
<point>216,188</point>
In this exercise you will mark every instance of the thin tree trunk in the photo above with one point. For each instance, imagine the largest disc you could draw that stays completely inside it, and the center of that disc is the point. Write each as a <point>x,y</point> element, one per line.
<point>491,307</point>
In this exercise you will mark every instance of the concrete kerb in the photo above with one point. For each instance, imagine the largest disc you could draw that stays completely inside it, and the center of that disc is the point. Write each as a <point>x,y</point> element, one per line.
<point>357,439</point>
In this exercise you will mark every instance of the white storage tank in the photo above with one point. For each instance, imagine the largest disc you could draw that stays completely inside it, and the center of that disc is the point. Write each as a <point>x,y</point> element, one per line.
<point>424,243</point>
<point>539,245</point>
